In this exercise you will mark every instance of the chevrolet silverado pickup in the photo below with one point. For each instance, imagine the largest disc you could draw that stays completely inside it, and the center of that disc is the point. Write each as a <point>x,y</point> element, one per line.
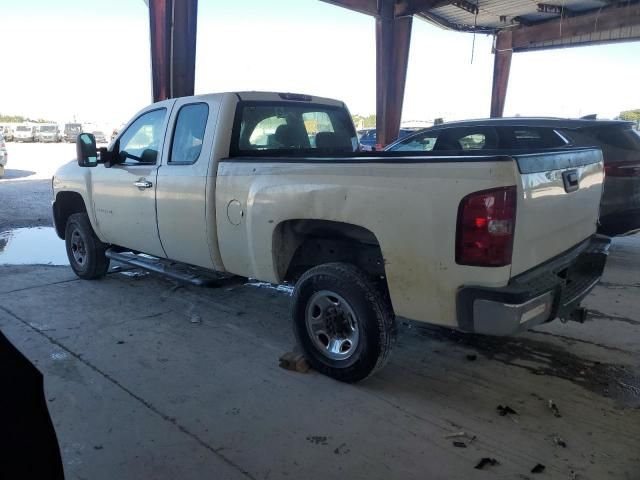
<point>272,186</point>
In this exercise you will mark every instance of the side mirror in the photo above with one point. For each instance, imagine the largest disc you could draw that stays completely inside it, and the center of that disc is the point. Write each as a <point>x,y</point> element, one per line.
<point>86,150</point>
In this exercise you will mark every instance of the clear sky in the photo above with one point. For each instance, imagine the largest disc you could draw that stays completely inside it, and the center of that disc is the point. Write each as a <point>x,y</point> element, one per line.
<point>90,58</point>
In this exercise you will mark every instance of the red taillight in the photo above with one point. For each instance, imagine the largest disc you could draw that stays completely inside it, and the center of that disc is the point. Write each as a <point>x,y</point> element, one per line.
<point>623,169</point>
<point>486,222</point>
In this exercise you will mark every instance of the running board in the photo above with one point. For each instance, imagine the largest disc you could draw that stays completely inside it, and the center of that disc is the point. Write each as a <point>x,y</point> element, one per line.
<point>177,271</point>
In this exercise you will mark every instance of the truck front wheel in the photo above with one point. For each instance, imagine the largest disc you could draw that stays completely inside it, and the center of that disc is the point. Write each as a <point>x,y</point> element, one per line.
<point>84,250</point>
<point>343,323</point>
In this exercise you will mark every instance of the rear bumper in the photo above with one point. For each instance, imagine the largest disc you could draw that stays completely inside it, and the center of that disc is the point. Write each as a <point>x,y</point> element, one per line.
<point>540,295</point>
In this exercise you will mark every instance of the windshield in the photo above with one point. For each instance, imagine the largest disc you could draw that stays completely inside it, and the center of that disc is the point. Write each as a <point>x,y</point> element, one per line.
<point>262,127</point>
<point>48,128</point>
<point>22,128</point>
<point>72,127</point>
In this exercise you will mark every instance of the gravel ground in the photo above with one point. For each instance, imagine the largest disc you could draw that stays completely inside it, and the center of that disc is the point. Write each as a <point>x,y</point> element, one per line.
<point>25,190</point>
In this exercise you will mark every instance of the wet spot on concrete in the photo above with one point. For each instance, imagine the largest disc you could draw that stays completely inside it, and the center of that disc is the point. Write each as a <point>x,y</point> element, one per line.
<point>32,246</point>
<point>620,382</point>
<point>595,314</point>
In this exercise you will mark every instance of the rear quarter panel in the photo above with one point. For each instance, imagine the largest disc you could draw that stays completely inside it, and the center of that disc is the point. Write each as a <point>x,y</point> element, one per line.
<point>410,207</point>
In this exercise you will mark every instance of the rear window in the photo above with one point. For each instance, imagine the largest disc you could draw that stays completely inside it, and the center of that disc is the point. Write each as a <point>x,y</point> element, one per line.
<point>625,138</point>
<point>292,127</point>
<point>530,137</point>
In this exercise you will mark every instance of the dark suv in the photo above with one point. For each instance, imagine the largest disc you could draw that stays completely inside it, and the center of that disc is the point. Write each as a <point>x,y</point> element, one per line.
<point>619,142</point>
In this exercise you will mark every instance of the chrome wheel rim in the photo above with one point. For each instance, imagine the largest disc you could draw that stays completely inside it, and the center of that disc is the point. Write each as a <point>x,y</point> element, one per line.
<point>78,248</point>
<point>332,325</point>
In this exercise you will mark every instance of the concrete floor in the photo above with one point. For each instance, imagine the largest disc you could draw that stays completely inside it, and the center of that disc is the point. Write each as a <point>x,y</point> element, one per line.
<point>149,379</point>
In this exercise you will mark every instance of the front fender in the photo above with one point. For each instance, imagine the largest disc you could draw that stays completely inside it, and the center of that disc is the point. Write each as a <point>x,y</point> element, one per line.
<point>72,178</point>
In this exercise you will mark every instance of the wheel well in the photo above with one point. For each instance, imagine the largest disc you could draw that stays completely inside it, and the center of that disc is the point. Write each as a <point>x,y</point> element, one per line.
<point>299,245</point>
<point>66,204</point>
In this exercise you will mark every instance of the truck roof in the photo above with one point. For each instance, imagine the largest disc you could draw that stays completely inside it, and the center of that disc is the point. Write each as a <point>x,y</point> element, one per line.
<point>258,96</point>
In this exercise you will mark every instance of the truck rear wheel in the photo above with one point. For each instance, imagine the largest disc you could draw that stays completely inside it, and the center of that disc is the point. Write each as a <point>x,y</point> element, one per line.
<point>342,321</point>
<point>84,250</point>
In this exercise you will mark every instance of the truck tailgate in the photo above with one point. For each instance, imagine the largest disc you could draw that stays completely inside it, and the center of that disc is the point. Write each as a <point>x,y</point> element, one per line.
<point>558,204</point>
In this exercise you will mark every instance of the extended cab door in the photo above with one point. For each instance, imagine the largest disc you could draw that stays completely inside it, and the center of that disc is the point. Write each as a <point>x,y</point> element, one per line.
<point>124,195</point>
<point>186,184</point>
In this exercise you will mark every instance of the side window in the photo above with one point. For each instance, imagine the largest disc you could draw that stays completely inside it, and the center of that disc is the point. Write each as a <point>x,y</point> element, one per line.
<point>532,137</point>
<point>418,143</point>
<point>467,138</point>
<point>141,141</point>
<point>188,134</point>
<point>475,141</point>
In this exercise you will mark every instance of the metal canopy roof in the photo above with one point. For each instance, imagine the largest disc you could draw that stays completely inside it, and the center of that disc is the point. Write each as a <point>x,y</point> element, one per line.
<point>517,25</point>
<point>535,25</point>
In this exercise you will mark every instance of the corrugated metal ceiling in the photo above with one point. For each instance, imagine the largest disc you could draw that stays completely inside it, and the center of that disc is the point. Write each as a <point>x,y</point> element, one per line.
<point>497,14</point>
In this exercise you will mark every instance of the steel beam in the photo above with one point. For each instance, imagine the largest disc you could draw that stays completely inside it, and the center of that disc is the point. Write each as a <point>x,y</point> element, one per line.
<point>173,47</point>
<point>393,37</point>
<point>501,67</point>
<point>572,28</point>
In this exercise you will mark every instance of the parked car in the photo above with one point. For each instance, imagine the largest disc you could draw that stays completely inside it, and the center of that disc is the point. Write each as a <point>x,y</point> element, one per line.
<point>48,133</point>
<point>471,241</point>
<point>71,132</point>
<point>25,133</point>
<point>620,144</point>
<point>4,156</point>
<point>367,137</point>
<point>7,133</point>
<point>99,136</point>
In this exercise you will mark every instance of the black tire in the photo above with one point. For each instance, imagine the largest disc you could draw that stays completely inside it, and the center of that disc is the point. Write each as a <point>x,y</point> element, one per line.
<point>88,262</point>
<point>360,297</point>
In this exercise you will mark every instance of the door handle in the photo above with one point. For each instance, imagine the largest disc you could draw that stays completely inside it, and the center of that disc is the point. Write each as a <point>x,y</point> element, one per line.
<point>142,183</point>
<point>571,181</point>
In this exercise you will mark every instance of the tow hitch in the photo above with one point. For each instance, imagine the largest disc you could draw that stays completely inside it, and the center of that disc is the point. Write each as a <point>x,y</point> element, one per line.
<point>576,315</point>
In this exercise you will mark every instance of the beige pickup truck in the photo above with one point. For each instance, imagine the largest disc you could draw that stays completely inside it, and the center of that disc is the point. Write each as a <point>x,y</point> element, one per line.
<point>273,186</point>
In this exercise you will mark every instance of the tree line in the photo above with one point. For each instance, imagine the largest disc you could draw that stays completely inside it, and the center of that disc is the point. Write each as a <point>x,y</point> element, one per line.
<point>21,119</point>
